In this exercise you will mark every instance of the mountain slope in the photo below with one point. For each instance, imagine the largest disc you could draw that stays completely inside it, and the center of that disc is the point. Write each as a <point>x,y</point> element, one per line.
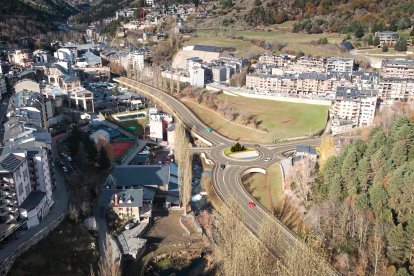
<point>25,17</point>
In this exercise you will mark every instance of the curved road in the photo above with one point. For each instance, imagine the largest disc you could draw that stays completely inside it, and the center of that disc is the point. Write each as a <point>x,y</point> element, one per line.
<point>227,182</point>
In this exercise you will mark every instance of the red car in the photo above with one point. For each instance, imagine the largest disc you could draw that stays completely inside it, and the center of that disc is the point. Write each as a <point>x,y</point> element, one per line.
<point>252,204</point>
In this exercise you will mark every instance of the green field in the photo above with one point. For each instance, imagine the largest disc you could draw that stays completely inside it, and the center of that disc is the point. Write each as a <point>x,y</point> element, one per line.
<point>280,119</point>
<point>295,41</point>
<point>267,189</point>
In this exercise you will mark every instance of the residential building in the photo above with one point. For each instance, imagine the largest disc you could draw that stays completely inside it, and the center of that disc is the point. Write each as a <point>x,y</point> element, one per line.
<point>219,73</point>
<point>397,68</point>
<point>341,65</point>
<point>81,99</point>
<point>388,38</point>
<point>272,59</point>
<point>21,58</point>
<point>14,186</point>
<point>353,107</point>
<point>306,151</point>
<point>197,76</point>
<point>392,89</point>
<point>137,60</point>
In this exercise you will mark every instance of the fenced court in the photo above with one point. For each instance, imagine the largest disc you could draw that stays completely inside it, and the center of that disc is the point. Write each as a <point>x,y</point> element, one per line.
<point>122,148</point>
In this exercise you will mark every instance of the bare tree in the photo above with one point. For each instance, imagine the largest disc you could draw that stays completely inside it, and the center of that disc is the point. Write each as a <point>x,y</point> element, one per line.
<point>108,264</point>
<point>302,175</point>
<point>376,250</point>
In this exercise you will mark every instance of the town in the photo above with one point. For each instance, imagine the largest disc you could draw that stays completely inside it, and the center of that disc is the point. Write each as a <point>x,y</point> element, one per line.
<point>113,131</point>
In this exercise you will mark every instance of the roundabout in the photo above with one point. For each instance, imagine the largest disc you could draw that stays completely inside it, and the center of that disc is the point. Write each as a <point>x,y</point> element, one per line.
<point>228,171</point>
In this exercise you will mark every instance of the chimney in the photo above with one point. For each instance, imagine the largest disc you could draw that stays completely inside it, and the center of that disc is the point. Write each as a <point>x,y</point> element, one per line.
<point>116,200</point>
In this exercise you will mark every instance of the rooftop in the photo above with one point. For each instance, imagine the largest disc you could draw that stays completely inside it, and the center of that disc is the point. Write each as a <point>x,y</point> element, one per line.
<point>135,176</point>
<point>126,197</point>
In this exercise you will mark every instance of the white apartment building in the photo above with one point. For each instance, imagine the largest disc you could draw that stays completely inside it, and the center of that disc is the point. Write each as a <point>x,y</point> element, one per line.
<point>353,108</point>
<point>15,186</point>
<point>397,68</point>
<point>341,65</point>
<point>197,76</point>
<point>137,60</point>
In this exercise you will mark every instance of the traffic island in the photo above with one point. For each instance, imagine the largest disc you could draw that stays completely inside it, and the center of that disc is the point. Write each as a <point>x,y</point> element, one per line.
<point>239,152</point>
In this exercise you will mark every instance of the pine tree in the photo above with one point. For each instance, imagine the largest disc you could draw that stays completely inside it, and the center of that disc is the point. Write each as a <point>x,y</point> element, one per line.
<point>370,40</point>
<point>376,41</point>
<point>398,247</point>
<point>103,160</point>
<point>399,153</point>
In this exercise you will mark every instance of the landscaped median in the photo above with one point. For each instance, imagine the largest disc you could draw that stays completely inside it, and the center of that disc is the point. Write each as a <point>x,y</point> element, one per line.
<point>241,152</point>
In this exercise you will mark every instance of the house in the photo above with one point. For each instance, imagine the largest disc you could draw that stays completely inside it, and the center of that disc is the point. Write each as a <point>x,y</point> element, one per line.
<point>160,178</point>
<point>388,38</point>
<point>125,203</point>
<point>306,151</point>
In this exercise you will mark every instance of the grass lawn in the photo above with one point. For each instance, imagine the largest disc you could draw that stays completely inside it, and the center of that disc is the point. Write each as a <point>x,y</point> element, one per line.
<point>267,189</point>
<point>295,41</point>
<point>281,119</point>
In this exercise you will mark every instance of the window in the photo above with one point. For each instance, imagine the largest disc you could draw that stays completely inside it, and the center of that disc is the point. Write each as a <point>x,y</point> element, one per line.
<point>20,189</point>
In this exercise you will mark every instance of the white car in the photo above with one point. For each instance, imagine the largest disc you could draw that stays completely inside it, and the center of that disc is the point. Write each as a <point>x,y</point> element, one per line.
<point>129,226</point>
<point>267,159</point>
<point>65,169</point>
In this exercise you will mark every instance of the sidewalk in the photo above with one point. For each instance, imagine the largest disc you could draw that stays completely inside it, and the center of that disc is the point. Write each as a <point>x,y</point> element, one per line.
<point>61,199</point>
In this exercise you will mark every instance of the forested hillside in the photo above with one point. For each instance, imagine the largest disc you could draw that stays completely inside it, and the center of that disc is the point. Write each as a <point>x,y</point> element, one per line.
<point>26,18</point>
<point>316,16</point>
<point>366,201</point>
<point>103,9</point>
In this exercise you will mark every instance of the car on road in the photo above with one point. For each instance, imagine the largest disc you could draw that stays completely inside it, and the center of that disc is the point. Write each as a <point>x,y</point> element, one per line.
<point>267,159</point>
<point>129,226</point>
<point>223,166</point>
<point>252,204</point>
<point>209,130</point>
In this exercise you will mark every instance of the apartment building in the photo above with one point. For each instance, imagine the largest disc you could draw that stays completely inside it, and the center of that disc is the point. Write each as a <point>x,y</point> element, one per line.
<point>391,89</point>
<point>341,65</point>
<point>353,108</point>
<point>316,85</point>
<point>14,187</point>
<point>137,60</point>
<point>397,68</point>
<point>388,38</point>
<point>219,73</point>
<point>269,58</point>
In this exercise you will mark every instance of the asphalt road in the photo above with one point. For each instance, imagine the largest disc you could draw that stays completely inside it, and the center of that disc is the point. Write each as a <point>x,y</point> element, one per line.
<point>227,182</point>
